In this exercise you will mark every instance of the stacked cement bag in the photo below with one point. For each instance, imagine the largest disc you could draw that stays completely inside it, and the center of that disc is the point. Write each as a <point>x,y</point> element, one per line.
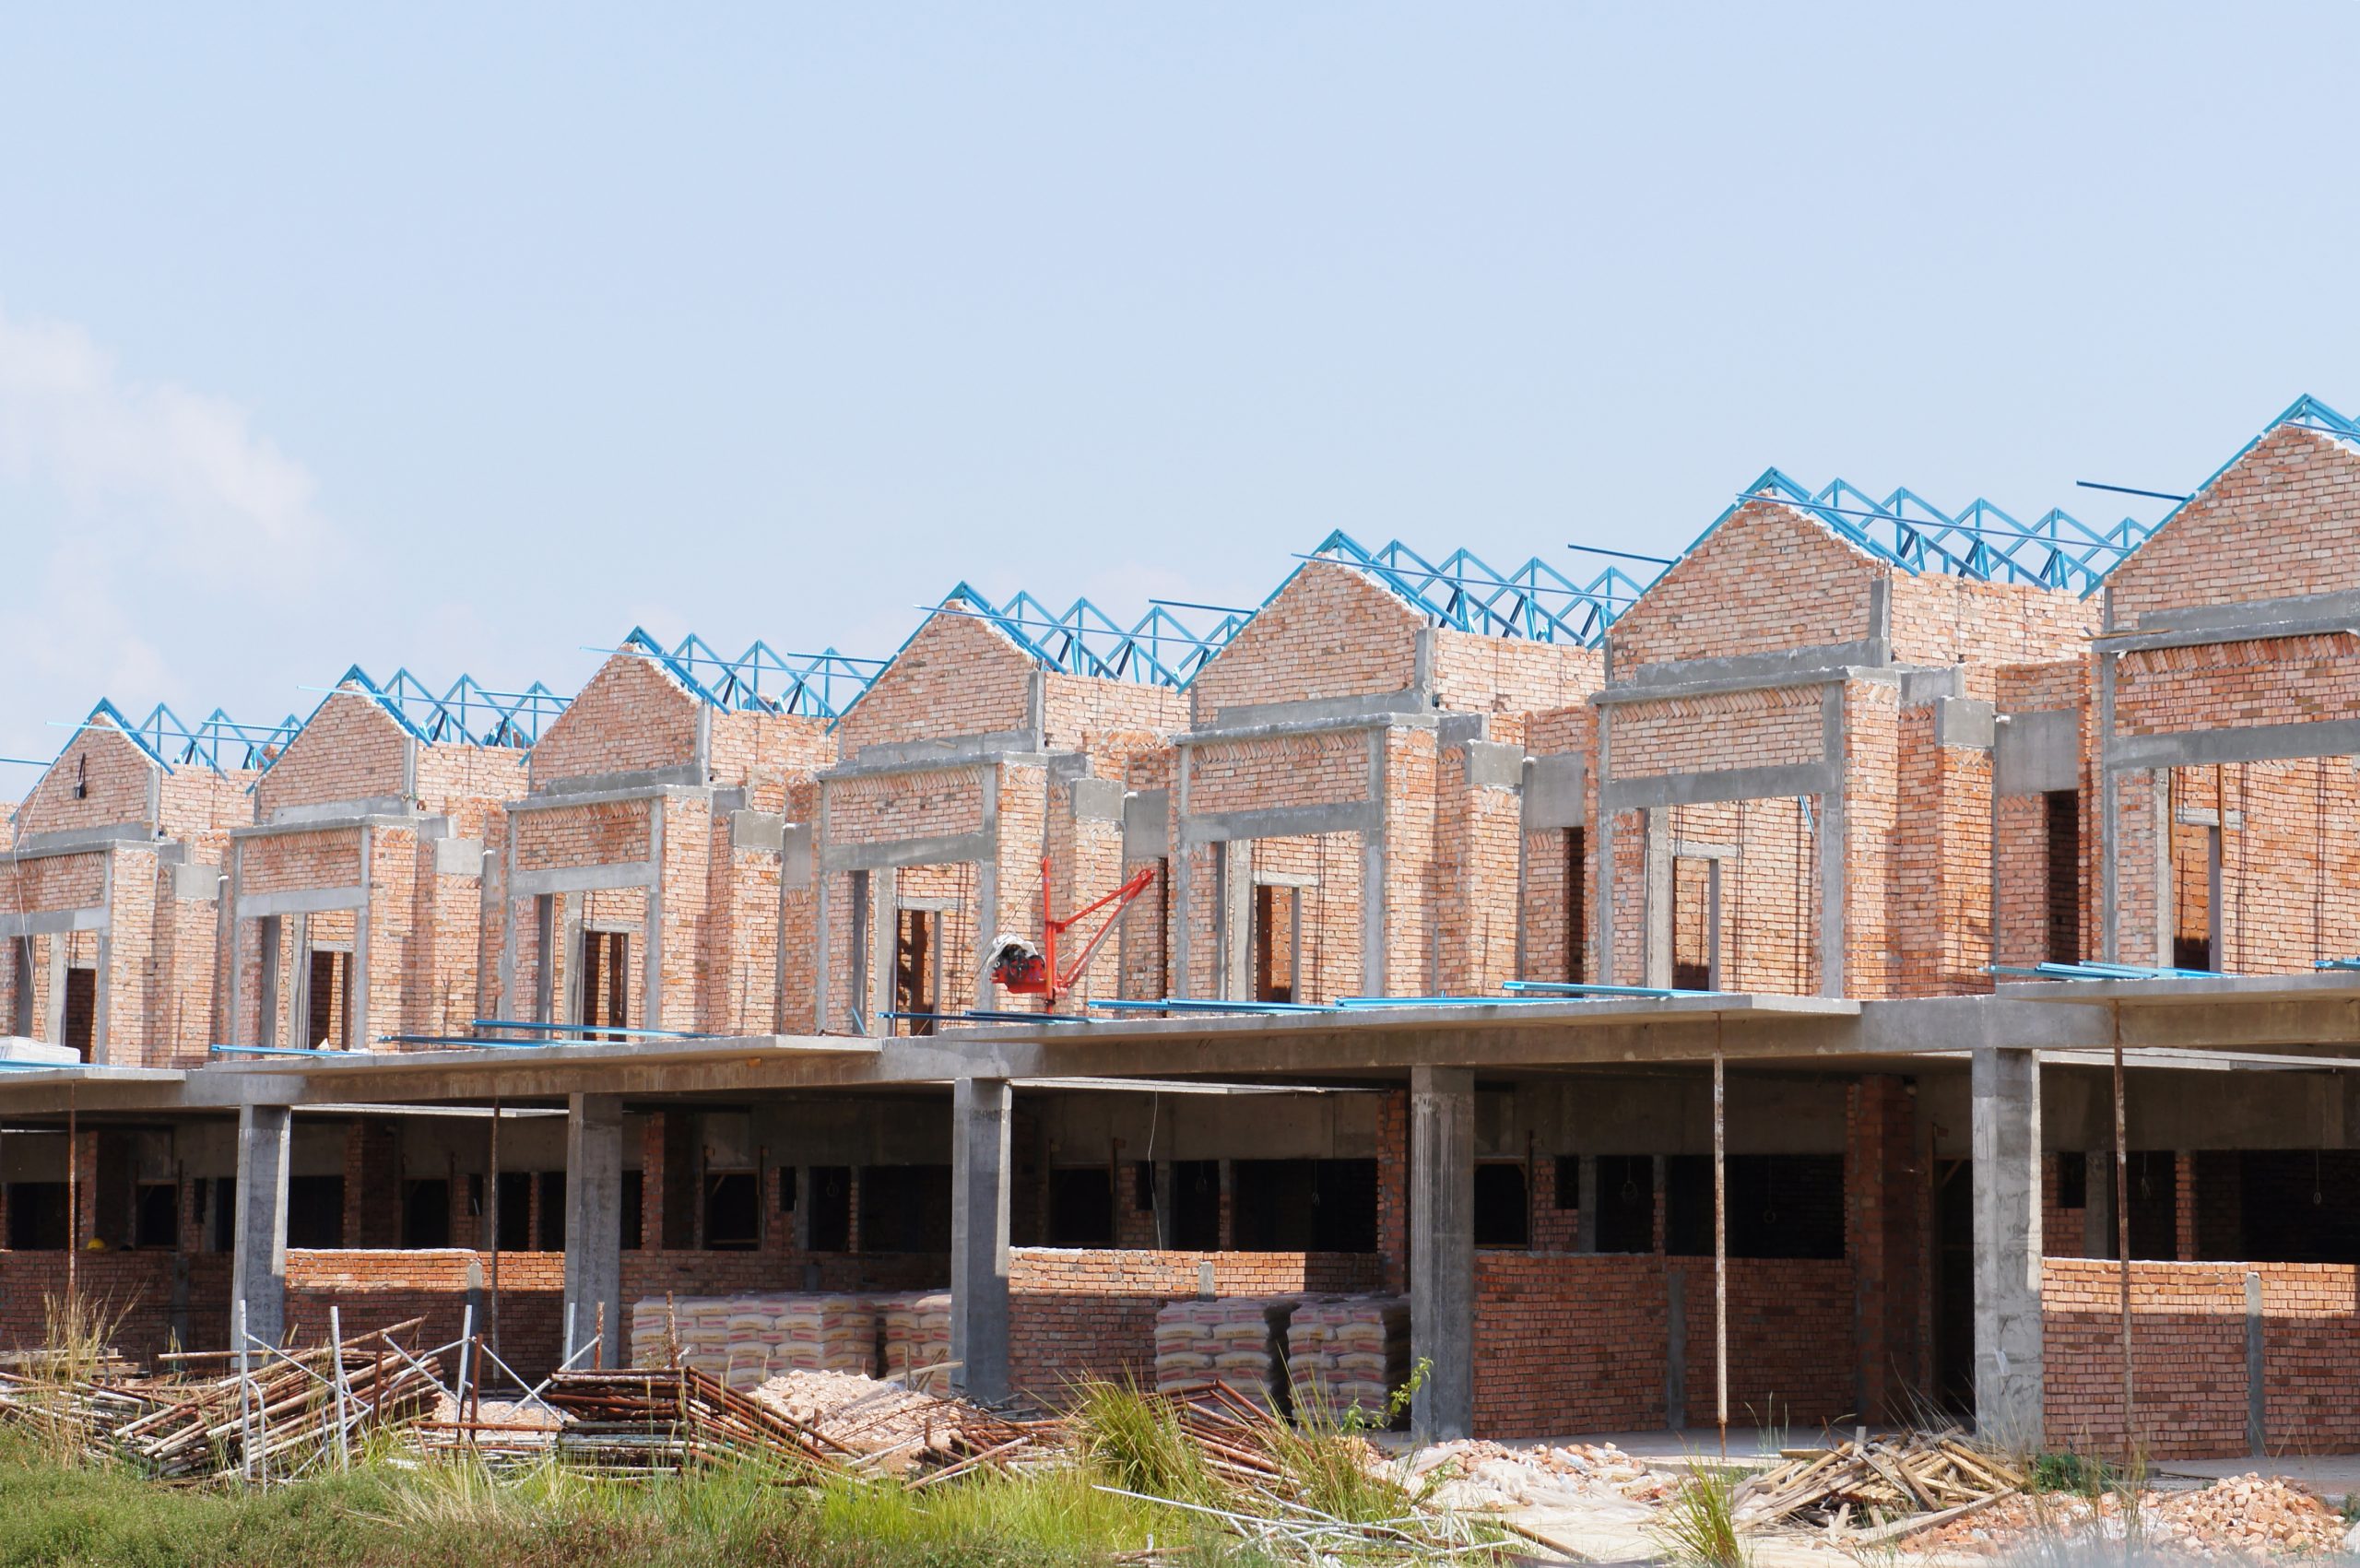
<point>918,1340</point>
<point>1347,1351</point>
<point>1239,1340</point>
<point>744,1340</point>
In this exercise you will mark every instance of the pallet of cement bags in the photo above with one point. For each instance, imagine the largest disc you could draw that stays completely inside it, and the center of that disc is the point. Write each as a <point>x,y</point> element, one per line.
<point>1239,1340</point>
<point>1347,1351</point>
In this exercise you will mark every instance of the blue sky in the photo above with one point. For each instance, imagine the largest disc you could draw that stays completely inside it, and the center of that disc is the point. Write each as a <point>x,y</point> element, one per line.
<point>465,340</point>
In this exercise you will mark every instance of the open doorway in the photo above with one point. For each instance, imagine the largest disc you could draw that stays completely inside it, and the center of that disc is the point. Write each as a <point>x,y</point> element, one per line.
<point>1954,1285</point>
<point>329,1023</point>
<point>917,967</point>
<point>603,997</point>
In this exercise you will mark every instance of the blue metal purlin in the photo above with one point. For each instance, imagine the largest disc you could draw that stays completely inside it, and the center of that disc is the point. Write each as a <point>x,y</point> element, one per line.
<point>762,680</point>
<point>2103,971</point>
<point>590,1029</point>
<point>2337,963</point>
<point>1206,1004</point>
<point>1465,592</point>
<point>1575,988</point>
<point>1159,650</point>
<point>987,1015</point>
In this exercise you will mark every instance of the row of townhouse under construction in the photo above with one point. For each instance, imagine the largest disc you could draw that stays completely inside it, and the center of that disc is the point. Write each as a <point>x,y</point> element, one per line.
<point>1972,901</point>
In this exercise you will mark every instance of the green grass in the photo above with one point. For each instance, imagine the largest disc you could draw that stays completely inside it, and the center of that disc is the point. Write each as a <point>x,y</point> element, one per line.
<point>387,1513</point>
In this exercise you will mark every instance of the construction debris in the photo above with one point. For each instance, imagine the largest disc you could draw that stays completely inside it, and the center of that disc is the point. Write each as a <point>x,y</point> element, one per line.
<point>284,1414</point>
<point>1871,1492</point>
<point>2244,1518</point>
<point>895,1430</point>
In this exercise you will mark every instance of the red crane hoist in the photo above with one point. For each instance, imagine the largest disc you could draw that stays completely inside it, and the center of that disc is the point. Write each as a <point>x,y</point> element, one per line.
<point>1025,970</point>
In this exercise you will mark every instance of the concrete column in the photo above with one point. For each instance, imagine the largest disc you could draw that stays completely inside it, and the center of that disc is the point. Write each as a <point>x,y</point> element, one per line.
<point>1441,1249</point>
<point>980,1169</point>
<point>594,1203</point>
<point>2008,1385</point>
<point>258,1268</point>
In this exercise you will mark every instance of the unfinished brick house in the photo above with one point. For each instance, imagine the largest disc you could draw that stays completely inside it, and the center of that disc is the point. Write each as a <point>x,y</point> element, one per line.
<point>111,891</point>
<point>1344,814</point>
<point>996,735</point>
<point>1810,664</point>
<point>359,890</point>
<point>641,886</point>
<point>1495,923</point>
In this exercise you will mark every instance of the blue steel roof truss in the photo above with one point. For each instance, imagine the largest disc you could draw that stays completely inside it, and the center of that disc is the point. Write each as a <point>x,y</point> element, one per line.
<point>465,715</point>
<point>217,742</point>
<point>762,680</point>
<point>1981,542</point>
<point>1462,591</point>
<point>1160,649</point>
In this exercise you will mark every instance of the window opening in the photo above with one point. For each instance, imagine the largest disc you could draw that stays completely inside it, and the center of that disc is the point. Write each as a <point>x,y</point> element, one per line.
<point>733,1209</point>
<point>81,1010</point>
<point>1576,905</point>
<point>918,966</point>
<point>1503,1212</point>
<point>2064,875</point>
<point>156,1219</point>
<point>830,1208</point>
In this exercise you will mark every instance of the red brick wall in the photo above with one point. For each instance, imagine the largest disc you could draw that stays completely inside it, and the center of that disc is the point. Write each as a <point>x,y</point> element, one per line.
<point>350,748</point>
<point>1768,578</point>
<point>957,675</point>
<point>114,775</point>
<point>2188,1356</point>
<point>134,1288</point>
<point>2274,525</point>
<point>1572,1342</point>
<point>632,716</point>
<point>1331,632</point>
<point>1083,1314</point>
<point>376,1289</point>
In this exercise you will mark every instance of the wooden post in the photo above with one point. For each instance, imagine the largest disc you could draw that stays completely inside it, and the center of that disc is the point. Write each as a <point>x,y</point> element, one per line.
<point>2122,1233</point>
<point>1720,1249</point>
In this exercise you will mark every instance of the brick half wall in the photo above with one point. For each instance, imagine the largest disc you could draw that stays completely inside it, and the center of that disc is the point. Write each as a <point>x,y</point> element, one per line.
<point>2188,1339</point>
<point>1076,1314</point>
<point>1573,1342</point>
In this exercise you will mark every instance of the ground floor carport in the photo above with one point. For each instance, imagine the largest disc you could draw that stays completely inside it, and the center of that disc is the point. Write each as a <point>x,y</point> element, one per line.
<point>1586,1232</point>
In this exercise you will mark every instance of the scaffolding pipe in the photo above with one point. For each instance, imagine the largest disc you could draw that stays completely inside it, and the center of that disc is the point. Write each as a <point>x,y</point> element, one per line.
<point>491,1212</point>
<point>1720,1247</point>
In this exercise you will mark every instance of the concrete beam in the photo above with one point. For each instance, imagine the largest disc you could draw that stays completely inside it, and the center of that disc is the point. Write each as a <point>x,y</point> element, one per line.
<point>50,923</point>
<point>1281,822</point>
<point>593,1200</point>
<point>1442,1250</point>
<point>945,849</point>
<point>1726,783</point>
<point>2249,743</point>
<point>561,880</point>
<point>258,1266</point>
<point>2008,1341</point>
<point>979,1208</point>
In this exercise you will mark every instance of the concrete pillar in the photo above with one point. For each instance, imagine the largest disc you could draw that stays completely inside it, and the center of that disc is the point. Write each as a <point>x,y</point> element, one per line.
<point>1441,1249</point>
<point>2008,1385</point>
<point>594,1205</point>
<point>258,1268</point>
<point>980,1168</point>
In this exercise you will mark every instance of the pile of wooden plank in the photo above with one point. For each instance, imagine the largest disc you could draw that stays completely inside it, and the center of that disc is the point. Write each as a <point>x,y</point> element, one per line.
<point>1877,1491</point>
<point>651,1418</point>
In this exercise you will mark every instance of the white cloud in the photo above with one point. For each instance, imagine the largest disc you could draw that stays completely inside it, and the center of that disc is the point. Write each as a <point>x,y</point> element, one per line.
<point>153,464</point>
<point>140,523</point>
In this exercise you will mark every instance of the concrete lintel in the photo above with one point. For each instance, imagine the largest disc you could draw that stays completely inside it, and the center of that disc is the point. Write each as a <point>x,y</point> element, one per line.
<point>559,800</point>
<point>2253,632</point>
<point>991,747</point>
<point>1788,666</point>
<point>51,922</point>
<point>1096,800</point>
<point>1965,721</point>
<point>942,849</point>
<point>344,819</point>
<point>1554,792</point>
<point>1319,710</point>
<point>583,878</point>
<point>616,785</point>
<point>458,857</point>
<point>1727,784</point>
<point>2252,612</point>
<point>1146,824</point>
<point>2036,751</point>
<point>300,900</point>
<point>77,840</point>
<point>1281,822</point>
<point>1218,734</point>
<point>2253,743</point>
<point>339,810</point>
<point>764,830</point>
